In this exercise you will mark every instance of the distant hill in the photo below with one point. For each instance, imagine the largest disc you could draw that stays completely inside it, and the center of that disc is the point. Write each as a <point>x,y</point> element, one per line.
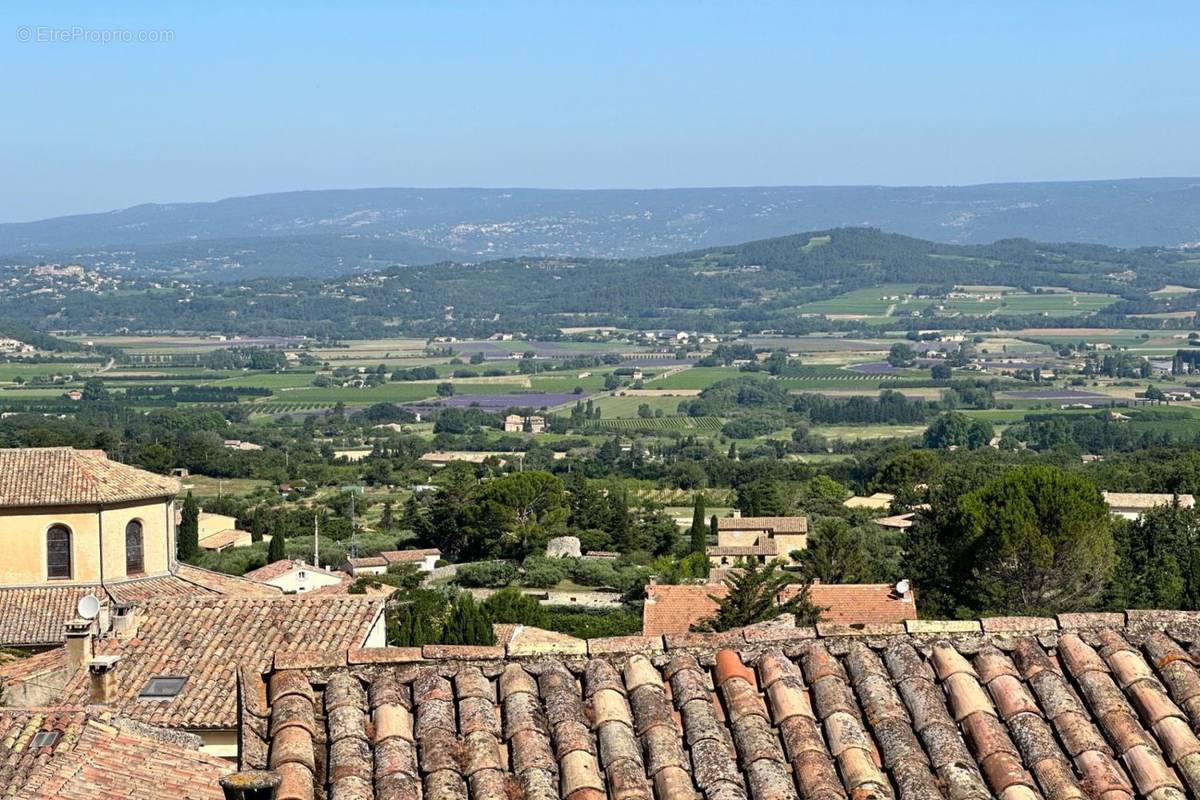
<point>771,284</point>
<point>343,231</point>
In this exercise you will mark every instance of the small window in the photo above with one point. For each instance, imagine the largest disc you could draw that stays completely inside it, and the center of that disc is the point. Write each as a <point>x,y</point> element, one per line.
<point>301,574</point>
<point>58,552</point>
<point>134,562</point>
<point>45,739</point>
<point>162,686</point>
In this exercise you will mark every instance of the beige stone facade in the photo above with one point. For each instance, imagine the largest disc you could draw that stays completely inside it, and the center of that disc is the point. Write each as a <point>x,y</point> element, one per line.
<point>98,544</point>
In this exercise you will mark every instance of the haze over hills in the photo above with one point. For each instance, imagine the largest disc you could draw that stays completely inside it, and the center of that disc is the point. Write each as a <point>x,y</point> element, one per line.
<point>774,284</point>
<point>340,231</point>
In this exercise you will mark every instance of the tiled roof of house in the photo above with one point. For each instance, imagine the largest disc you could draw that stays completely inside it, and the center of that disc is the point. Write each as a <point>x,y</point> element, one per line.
<point>284,566</point>
<point>100,755</point>
<point>367,561</point>
<point>223,539</point>
<point>408,556</point>
<point>764,547</point>
<point>776,524</point>
<point>1085,707</point>
<point>56,476</point>
<point>673,608</point>
<point>877,500</point>
<point>1146,500</point>
<point>206,639</point>
<point>34,616</point>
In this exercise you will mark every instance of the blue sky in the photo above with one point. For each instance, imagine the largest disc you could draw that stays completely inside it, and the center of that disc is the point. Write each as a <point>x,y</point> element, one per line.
<point>299,95</point>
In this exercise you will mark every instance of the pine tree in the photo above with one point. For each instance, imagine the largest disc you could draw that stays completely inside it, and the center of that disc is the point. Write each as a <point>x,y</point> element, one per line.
<point>755,596</point>
<point>699,532</point>
<point>276,551</point>
<point>189,529</point>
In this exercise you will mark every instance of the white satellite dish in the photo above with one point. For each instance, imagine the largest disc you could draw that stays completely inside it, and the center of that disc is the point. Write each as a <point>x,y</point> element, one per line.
<point>902,587</point>
<point>88,606</point>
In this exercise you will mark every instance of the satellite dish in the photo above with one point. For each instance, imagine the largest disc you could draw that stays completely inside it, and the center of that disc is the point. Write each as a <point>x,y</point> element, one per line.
<point>902,587</point>
<point>88,606</point>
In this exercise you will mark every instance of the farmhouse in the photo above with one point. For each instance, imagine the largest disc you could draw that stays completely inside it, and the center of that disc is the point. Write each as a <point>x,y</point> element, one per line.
<point>759,538</point>
<point>1131,505</point>
<point>515,423</point>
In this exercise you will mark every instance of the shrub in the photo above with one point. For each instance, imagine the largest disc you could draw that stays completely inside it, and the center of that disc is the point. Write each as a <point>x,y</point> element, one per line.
<point>542,572</point>
<point>593,623</point>
<point>490,574</point>
<point>513,606</point>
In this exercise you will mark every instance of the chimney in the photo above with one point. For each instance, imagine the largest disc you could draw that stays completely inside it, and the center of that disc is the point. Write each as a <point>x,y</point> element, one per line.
<point>79,644</point>
<point>104,679</point>
<point>737,513</point>
<point>250,785</point>
<point>125,622</point>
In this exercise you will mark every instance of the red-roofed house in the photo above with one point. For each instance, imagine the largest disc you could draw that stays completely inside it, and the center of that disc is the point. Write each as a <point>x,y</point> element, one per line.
<point>295,576</point>
<point>674,608</point>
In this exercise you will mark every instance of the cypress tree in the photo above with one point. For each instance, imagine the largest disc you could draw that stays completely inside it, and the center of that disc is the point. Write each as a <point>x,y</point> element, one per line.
<point>189,529</point>
<point>714,528</point>
<point>699,533</point>
<point>276,550</point>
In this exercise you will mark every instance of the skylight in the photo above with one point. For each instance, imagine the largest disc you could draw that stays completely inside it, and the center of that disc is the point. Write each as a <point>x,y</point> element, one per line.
<point>163,686</point>
<point>45,739</point>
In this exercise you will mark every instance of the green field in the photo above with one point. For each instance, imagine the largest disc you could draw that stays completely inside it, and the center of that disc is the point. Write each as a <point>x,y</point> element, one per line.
<point>1056,304</point>
<point>697,377</point>
<point>873,302</point>
<point>627,406</point>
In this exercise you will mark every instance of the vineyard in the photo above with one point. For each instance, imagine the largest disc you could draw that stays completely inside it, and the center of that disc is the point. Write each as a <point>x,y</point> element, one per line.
<point>289,408</point>
<point>805,376</point>
<point>707,424</point>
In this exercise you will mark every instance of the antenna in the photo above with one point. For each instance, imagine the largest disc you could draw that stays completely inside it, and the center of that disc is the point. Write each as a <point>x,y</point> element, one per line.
<point>902,587</point>
<point>88,606</point>
<point>316,540</point>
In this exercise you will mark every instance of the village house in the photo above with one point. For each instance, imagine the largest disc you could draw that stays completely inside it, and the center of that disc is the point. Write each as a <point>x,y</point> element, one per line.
<point>294,576</point>
<point>424,558</point>
<point>760,538</point>
<point>218,532</point>
<point>671,609</point>
<point>1131,505</point>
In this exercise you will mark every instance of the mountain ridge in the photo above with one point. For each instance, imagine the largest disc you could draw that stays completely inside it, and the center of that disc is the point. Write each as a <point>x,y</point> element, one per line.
<point>338,231</point>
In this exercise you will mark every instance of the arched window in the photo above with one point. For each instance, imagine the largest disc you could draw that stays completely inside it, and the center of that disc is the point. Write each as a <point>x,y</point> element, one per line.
<point>134,563</point>
<point>58,552</point>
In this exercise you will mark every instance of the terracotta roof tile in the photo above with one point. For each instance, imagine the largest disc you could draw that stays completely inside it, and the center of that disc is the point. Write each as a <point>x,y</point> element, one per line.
<point>671,609</point>
<point>206,639</point>
<point>55,476</point>
<point>776,524</point>
<point>894,716</point>
<point>101,755</point>
<point>34,616</point>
